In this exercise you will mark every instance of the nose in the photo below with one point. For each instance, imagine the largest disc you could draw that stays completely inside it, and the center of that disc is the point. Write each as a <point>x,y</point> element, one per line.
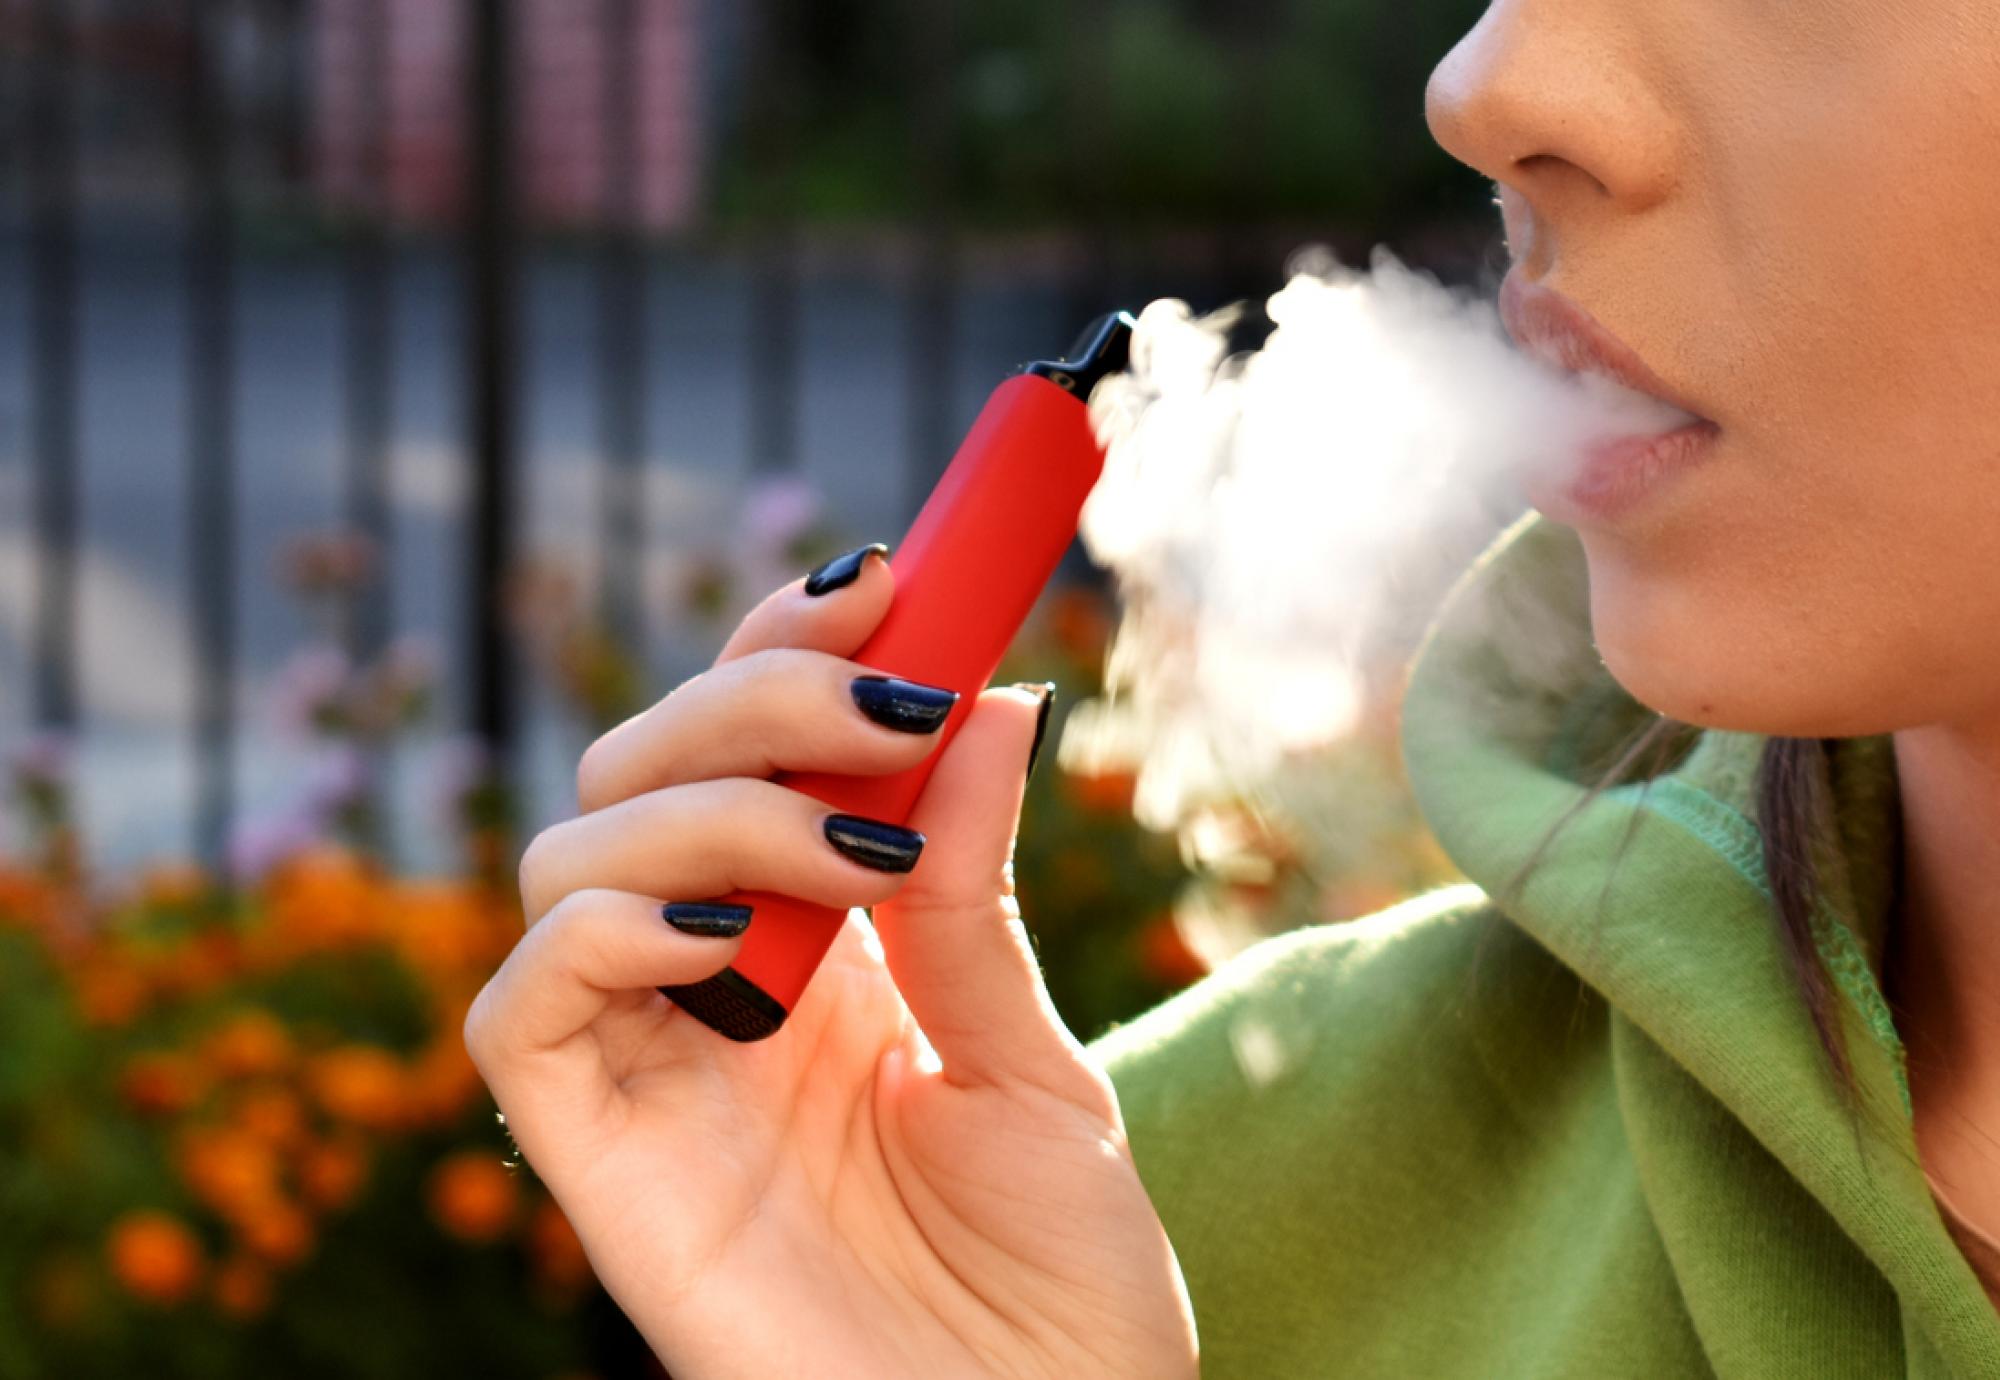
<point>1554,99</point>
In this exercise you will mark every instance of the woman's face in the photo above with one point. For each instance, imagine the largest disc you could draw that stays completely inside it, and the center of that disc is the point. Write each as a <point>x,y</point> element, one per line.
<point>1792,213</point>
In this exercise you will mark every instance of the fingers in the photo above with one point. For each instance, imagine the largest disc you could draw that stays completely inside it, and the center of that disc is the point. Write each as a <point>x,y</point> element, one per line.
<point>953,936</point>
<point>838,619</point>
<point>779,708</point>
<point>701,840</point>
<point>597,946</point>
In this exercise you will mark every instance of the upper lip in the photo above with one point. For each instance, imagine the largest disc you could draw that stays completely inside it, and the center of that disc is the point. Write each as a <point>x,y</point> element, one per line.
<point>1554,329</point>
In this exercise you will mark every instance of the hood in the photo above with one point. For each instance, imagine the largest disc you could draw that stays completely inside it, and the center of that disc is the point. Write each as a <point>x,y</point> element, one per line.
<point>1655,894</point>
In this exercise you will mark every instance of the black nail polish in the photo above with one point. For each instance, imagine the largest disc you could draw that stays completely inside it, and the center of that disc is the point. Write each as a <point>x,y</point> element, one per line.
<point>870,842</point>
<point>1047,690</point>
<point>709,919</point>
<point>843,569</point>
<point>903,705</point>
<point>1041,725</point>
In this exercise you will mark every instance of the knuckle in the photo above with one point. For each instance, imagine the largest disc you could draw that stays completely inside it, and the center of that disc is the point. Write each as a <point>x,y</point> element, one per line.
<point>592,774</point>
<point>477,1031</point>
<point>571,919</point>
<point>597,769</point>
<point>537,867</point>
<point>750,804</point>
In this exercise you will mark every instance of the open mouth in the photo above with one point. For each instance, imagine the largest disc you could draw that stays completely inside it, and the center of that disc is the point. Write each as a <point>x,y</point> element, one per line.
<point>1613,473</point>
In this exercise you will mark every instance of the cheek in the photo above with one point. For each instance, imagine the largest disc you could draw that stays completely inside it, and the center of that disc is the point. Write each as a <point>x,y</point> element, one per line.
<point>1838,571</point>
<point>1680,640</point>
<point>1822,613</point>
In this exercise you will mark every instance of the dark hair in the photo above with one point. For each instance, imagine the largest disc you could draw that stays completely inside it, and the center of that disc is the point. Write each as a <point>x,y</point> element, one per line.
<point>1791,815</point>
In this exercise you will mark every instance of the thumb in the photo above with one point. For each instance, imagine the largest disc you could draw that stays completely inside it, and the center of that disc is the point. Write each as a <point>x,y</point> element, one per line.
<point>953,934</point>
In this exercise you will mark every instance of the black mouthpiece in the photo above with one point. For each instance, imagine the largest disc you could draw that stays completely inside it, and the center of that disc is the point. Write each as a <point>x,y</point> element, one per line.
<point>1104,348</point>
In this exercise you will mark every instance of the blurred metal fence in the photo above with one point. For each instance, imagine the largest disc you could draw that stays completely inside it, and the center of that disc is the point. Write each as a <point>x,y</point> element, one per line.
<point>407,146</point>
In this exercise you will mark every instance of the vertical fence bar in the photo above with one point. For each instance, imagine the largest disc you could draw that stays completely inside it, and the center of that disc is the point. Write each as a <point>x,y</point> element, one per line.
<point>289,24</point>
<point>621,325</point>
<point>490,265</point>
<point>211,440</point>
<point>774,290</point>
<point>1095,284</point>
<point>50,166</point>
<point>933,319</point>
<point>369,336</point>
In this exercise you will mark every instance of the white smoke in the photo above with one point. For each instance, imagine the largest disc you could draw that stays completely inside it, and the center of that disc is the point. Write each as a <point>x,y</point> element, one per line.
<point>1280,523</point>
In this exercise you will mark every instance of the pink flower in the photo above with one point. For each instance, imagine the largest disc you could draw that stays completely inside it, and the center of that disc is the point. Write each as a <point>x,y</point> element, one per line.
<point>778,511</point>
<point>342,777</point>
<point>258,845</point>
<point>308,696</point>
<point>43,759</point>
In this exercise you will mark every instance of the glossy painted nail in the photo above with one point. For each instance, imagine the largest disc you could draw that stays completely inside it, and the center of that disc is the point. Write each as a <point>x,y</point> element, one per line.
<point>872,843</point>
<point>903,705</point>
<point>843,569</point>
<point>1047,690</point>
<point>708,919</point>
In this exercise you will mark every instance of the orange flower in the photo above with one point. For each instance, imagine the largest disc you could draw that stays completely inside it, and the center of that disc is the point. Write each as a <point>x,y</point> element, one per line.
<point>277,1230</point>
<point>325,898</point>
<point>108,992</point>
<point>229,1170</point>
<point>1165,954</point>
<point>446,927</point>
<point>154,1256</point>
<point>332,1172</point>
<point>444,1078</point>
<point>248,1044</point>
<point>161,1082</point>
<point>473,1196</point>
<point>1109,791</point>
<point>361,1084</point>
<point>25,898</point>
<point>1079,622</point>
<point>172,885</point>
<point>558,1256</point>
<point>200,964</point>
<point>273,1115</point>
<point>242,1287</point>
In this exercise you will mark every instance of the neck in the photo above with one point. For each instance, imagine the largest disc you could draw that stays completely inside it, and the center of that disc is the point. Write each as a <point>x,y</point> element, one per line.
<point>1944,960</point>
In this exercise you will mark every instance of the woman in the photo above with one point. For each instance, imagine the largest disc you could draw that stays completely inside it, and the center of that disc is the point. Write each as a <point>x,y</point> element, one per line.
<point>1665,1092</point>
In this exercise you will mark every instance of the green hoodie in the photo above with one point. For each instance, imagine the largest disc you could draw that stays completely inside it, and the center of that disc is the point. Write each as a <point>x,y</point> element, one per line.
<point>1586,1131</point>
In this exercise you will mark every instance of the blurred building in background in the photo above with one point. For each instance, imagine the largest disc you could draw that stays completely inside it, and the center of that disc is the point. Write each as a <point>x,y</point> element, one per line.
<point>410,59</point>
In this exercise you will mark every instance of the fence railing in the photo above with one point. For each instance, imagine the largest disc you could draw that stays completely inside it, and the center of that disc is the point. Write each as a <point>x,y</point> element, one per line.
<point>211,132</point>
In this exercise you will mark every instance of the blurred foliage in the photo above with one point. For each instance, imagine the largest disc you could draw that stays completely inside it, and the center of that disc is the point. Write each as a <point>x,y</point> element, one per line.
<point>244,1137</point>
<point>242,1134</point>
<point>1122,112</point>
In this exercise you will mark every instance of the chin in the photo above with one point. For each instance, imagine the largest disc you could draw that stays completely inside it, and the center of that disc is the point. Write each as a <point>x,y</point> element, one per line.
<point>1690,660</point>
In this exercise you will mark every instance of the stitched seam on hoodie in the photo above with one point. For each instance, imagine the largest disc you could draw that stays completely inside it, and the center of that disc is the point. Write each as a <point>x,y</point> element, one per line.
<point>1735,838</point>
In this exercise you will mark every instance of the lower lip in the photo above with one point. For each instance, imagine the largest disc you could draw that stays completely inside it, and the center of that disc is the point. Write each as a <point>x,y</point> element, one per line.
<point>1617,475</point>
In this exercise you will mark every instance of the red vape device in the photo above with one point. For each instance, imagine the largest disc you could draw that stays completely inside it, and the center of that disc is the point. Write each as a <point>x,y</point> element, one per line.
<point>967,573</point>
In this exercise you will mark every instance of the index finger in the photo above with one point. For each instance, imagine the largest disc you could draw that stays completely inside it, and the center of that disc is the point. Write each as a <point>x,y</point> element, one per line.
<point>855,589</point>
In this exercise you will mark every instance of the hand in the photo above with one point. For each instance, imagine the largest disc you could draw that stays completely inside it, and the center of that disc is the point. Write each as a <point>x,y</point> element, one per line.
<point>922,1173</point>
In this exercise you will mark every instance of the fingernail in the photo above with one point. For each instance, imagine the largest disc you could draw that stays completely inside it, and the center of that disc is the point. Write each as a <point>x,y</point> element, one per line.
<point>709,919</point>
<point>903,705</point>
<point>870,842</point>
<point>841,571</point>
<point>1047,690</point>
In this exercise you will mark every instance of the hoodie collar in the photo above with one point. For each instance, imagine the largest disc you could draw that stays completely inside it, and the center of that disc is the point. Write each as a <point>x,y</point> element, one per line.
<point>1510,720</point>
